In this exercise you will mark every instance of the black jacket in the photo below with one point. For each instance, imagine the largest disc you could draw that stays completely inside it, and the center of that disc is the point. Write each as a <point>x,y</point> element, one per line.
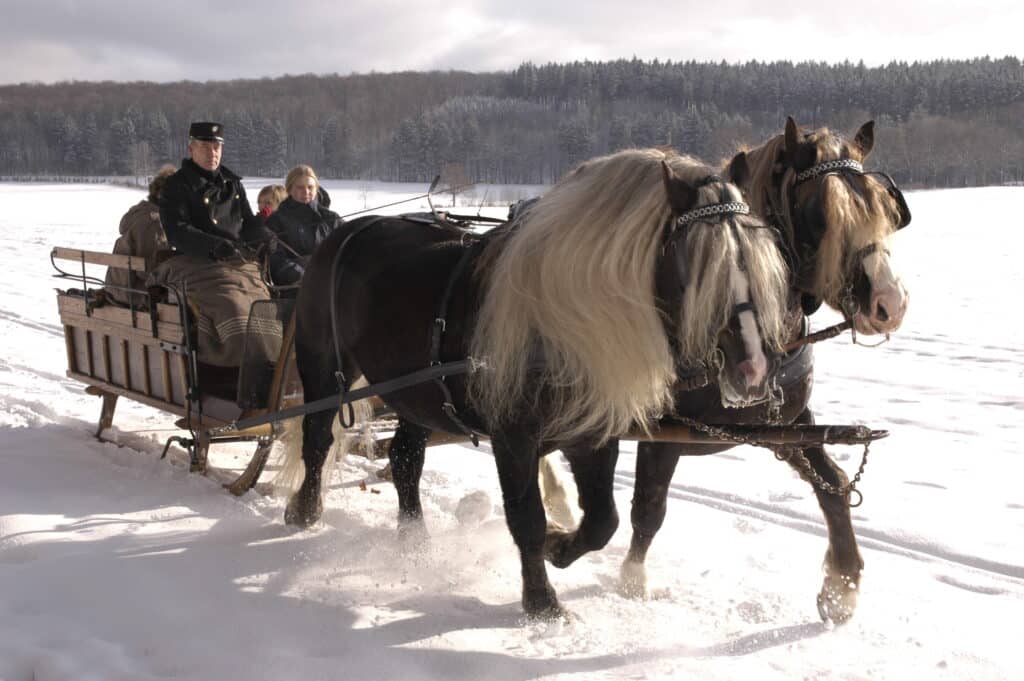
<point>207,214</point>
<point>300,227</point>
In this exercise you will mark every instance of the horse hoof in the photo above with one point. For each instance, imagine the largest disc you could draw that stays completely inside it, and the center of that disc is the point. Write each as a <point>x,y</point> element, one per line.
<point>541,603</point>
<point>558,616</point>
<point>303,514</point>
<point>412,534</point>
<point>548,613</point>
<point>633,580</point>
<point>558,549</point>
<point>837,599</point>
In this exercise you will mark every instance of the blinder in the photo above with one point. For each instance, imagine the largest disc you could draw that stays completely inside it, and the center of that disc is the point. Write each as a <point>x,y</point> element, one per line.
<point>901,203</point>
<point>848,165</point>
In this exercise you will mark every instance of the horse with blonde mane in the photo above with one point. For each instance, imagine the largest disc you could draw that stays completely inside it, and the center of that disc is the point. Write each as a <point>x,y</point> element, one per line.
<point>836,220</point>
<point>578,318</point>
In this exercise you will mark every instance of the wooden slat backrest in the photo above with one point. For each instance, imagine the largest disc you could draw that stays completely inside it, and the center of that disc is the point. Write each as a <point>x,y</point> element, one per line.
<point>125,262</point>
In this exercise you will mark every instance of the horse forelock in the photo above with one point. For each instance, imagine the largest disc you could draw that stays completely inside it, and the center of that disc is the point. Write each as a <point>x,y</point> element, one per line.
<point>709,298</point>
<point>855,219</point>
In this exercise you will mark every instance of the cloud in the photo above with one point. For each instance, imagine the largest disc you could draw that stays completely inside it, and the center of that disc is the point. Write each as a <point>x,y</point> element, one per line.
<point>119,40</point>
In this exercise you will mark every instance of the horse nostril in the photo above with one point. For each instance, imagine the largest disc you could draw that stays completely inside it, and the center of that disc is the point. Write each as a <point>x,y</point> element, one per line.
<point>881,314</point>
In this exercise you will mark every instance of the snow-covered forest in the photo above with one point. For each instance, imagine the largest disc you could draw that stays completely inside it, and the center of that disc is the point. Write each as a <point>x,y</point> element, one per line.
<point>941,123</point>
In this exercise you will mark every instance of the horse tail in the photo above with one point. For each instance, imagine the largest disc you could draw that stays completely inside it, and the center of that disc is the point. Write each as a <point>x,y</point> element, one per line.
<point>292,469</point>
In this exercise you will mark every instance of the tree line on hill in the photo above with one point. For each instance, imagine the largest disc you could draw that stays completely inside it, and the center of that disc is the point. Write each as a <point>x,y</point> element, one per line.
<point>939,124</point>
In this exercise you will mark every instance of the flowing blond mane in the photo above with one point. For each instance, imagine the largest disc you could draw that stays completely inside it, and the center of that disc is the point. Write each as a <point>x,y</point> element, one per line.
<point>854,219</point>
<point>574,284</point>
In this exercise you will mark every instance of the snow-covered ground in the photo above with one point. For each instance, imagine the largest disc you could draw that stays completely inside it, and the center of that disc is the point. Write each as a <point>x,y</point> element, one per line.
<point>117,565</point>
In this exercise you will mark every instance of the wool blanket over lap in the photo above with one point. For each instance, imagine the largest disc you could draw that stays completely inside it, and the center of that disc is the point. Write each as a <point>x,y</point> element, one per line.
<point>220,295</point>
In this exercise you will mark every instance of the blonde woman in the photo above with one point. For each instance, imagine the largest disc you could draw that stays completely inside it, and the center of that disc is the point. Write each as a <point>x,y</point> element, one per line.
<point>301,222</point>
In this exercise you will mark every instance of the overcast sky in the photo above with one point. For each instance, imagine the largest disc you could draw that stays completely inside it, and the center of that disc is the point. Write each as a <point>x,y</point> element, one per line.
<point>54,40</point>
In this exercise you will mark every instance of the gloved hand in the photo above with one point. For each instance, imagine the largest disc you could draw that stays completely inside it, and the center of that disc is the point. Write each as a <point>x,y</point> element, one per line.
<point>223,250</point>
<point>254,251</point>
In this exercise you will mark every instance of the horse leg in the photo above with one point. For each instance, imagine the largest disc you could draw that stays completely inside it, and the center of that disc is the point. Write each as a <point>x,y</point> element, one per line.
<point>516,457</point>
<point>655,464</point>
<point>317,367</point>
<point>843,563</point>
<point>594,472</point>
<point>406,455</point>
<point>306,505</point>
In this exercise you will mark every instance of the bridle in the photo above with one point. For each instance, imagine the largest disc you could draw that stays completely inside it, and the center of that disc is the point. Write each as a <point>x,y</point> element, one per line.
<point>679,225</point>
<point>675,229</point>
<point>848,165</point>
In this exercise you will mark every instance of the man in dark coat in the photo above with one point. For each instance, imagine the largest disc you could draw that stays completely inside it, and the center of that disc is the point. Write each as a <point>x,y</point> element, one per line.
<point>203,207</point>
<point>208,221</point>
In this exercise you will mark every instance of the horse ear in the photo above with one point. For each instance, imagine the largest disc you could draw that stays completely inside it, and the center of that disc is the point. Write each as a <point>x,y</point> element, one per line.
<point>738,169</point>
<point>681,196</point>
<point>865,139</point>
<point>792,139</point>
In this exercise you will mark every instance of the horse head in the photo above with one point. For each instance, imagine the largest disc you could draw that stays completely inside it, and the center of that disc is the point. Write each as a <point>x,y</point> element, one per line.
<point>837,220</point>
<point>726,276</point>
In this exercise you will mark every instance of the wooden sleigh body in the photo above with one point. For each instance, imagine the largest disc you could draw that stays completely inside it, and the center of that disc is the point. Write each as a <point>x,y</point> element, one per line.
<point>146,353</point>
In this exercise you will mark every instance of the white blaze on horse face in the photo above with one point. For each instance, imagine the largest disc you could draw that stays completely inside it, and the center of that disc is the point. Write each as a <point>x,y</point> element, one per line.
<point>888,296</point>
<point>755,367</point>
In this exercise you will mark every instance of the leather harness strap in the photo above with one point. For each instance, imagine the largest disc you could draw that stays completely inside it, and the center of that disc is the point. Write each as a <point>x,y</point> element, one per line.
<point>437,336</point>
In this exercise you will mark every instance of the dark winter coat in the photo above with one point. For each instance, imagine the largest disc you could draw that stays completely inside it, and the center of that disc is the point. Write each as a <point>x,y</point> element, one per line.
<point>207,214</point>
<point>300,227</point>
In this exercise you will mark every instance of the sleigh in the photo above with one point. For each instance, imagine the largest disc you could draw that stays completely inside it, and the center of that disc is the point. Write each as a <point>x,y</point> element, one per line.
<point>146,352</point>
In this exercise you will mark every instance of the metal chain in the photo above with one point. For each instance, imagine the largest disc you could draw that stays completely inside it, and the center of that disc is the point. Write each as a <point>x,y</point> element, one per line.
<point>775,401</point>
<point>722,433</point>
<point>790,454</point>
<point>795,456</point>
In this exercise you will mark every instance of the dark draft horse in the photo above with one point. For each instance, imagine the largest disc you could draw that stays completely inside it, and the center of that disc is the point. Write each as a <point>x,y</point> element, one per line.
<point>578,318</point>
<point>836,220</point>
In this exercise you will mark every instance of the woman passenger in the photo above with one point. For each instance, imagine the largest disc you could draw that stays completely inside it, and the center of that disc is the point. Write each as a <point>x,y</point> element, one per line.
<point>301,222</point>
<point>141,236</point>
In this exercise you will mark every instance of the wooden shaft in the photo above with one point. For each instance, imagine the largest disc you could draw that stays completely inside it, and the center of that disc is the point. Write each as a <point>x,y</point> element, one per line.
<point>769,435</point>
